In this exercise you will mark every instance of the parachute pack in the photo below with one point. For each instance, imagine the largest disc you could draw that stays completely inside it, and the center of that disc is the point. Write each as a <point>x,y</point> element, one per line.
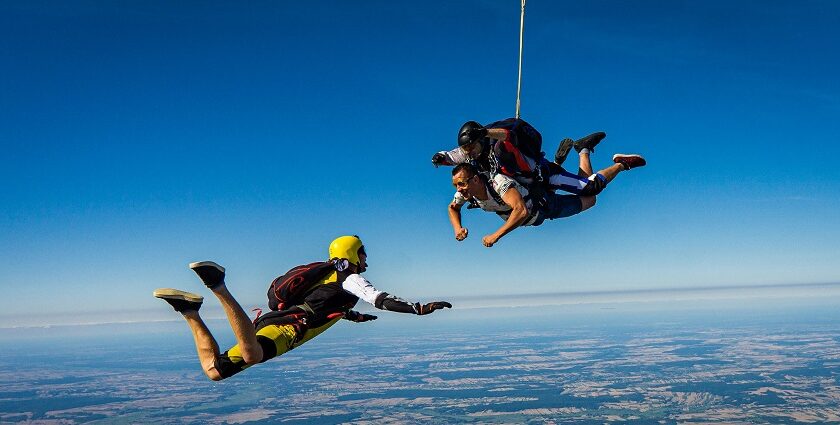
<point>292,288</point>
<point>526,138</point>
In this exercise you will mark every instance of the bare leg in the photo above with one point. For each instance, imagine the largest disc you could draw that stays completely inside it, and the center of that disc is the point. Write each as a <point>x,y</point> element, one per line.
<point>243,328</point>
<point>585,165</point>
<point>205,344</point>
<point>610,172</point>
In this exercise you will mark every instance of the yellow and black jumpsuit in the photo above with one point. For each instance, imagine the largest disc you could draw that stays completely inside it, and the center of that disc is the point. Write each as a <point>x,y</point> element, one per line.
<point>334,296</point>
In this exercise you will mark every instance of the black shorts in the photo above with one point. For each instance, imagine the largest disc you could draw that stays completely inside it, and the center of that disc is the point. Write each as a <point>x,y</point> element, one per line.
<point>558,206</point>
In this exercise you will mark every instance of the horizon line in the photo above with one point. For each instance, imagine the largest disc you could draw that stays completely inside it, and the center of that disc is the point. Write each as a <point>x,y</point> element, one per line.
<point>475,302</point>
<point>658,290</point>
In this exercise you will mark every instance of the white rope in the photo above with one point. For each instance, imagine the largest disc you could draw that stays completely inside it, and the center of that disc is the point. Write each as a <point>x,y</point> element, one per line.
<point>521,33</point>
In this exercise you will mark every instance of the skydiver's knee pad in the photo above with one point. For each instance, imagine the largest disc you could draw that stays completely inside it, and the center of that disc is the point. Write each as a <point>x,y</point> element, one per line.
<point>596,184</point>
<point>274,341</point>
<point>229,366</point>
<point>230,362</point>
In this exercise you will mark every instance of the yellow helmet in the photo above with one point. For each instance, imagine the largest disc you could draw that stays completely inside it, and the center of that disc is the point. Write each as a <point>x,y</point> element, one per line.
<point>347,247</point>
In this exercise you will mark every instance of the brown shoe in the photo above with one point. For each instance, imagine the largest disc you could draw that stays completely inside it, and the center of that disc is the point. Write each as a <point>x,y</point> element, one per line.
<point>629,160</point>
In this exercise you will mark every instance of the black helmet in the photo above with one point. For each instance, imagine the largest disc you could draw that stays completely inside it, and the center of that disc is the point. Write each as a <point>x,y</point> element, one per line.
<point>465,132</point>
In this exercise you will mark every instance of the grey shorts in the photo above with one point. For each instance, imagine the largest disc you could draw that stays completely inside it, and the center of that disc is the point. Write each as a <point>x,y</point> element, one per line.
<point>558,206</point>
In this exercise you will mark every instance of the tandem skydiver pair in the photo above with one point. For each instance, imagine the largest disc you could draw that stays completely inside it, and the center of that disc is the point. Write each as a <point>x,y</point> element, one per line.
<point>490,160</point>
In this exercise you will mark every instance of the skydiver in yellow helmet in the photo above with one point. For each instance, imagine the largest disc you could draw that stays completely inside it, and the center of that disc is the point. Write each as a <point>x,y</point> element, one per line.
<point>349,248</point>
<point>336,286</point>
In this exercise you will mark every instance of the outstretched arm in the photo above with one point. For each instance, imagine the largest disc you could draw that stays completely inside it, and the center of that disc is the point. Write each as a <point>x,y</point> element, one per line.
<point>360,287</point>
<point>386,301</point>
<point>455,218</point>
<point>517,216</point>
<point>450,158</point>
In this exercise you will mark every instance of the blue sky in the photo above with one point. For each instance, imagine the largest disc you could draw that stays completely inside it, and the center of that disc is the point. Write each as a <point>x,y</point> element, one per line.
<point>139,136</point>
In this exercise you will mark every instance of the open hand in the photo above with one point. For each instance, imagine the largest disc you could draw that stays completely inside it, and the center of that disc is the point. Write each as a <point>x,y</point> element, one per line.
<point>430,307</point>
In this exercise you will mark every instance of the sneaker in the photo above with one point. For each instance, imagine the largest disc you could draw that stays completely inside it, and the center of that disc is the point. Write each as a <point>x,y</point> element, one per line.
<point>563,151</point>
<point>629,161</point>
<point>209,272</point>
<point>590,141</point>
<point>179,300</point>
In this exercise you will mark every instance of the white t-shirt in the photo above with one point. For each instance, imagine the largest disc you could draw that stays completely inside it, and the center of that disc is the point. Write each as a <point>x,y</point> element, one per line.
<point>501,184</point>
